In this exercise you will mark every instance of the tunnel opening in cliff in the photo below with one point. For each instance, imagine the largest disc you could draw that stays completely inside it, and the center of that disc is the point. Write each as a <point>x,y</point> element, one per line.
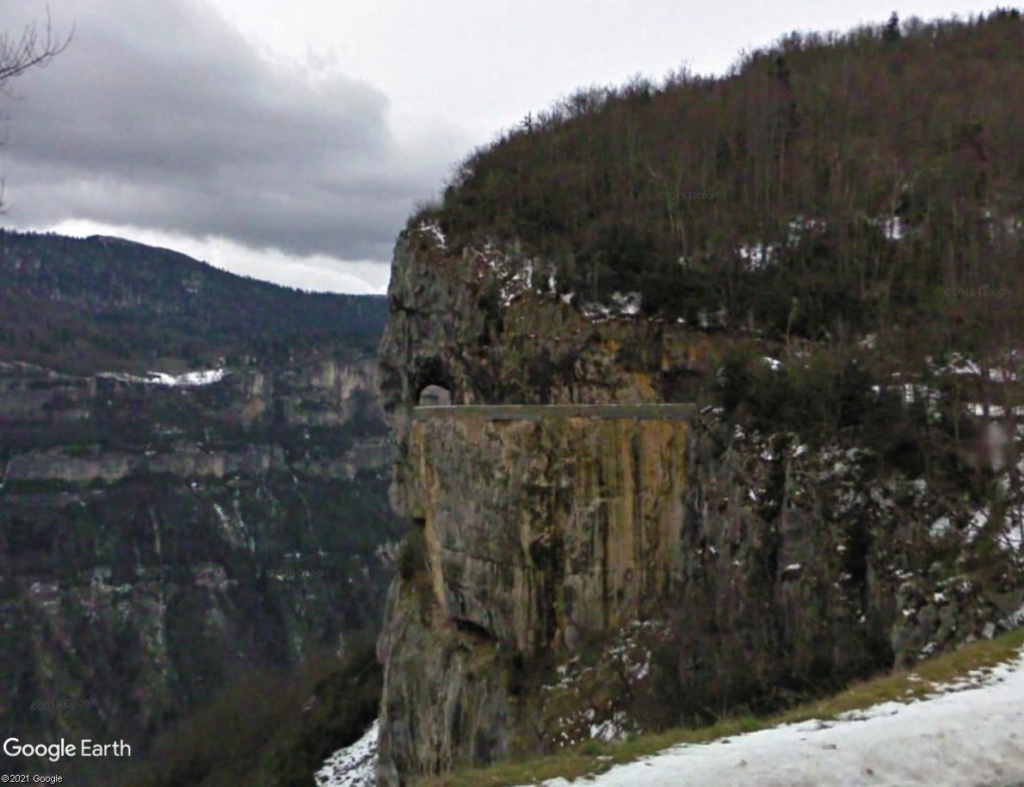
<point>434,395</point>
<point>432,384</point>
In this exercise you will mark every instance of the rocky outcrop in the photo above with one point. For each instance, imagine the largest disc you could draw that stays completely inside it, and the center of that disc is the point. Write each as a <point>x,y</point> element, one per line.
<point>477,327</point>
<point>541,530</point>
<point>573,572</point>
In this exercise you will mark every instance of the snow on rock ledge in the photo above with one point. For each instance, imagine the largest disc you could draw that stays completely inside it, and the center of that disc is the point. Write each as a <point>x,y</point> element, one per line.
<point>188,379</point>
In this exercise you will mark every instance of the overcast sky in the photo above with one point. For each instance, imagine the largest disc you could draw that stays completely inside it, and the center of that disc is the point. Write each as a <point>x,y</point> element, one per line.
<point>289,139</point>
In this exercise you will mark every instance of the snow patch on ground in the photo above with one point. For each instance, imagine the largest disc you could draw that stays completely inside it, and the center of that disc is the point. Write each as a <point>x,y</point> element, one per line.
<point>188,379</point>
<point>515,275</point>
<point>983,410</point>
<point>800,226</point>
<point>622,305</point>
<point>1011,534</point>
<point>756,256</point>
<point>967,735</point>
<point>353,766</point>
<point>589,701</point>
<point>610,729</point>
<point>893,228</point>
<point>958,364</point>
<point>434,231</point>
<point>940,528</point>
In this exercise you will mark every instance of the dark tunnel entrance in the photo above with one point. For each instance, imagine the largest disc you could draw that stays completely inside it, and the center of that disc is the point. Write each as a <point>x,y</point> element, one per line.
<point>434,396</point>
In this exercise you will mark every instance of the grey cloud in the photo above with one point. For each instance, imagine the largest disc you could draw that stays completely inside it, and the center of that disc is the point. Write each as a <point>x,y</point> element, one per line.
<point>161,115</point>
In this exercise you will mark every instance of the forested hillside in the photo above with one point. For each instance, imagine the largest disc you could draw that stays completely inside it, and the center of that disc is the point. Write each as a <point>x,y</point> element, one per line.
<point>86,304</point>
<point>829,184</point>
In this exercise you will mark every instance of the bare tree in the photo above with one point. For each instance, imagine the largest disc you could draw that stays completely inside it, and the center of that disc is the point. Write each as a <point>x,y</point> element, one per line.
<point>34,47</point>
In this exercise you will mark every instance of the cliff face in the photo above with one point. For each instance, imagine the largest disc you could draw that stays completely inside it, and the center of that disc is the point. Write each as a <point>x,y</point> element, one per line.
<point>160,536</point>
<point>595,535</point>
<point>573,573</point>
<point>543,529</point>
<point>571,536</point>
<point>488,328</point>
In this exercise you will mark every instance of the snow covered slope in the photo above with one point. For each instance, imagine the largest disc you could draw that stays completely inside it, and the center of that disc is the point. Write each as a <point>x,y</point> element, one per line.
<point>971,734</point>
<point>353,766</point>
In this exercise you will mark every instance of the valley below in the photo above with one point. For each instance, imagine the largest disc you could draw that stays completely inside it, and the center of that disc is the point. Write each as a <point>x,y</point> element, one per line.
<point>164,536</point>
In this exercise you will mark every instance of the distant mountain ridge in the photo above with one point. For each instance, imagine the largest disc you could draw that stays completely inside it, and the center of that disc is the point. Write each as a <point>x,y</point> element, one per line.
<point>193,488</point>
<point>77,304</point>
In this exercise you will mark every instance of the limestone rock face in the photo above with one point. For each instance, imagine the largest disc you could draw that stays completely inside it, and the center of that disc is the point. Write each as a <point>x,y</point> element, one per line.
<point>537,530</point>
<point>580,572</point>
<point>538,533</point>
<point>447,701</point>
